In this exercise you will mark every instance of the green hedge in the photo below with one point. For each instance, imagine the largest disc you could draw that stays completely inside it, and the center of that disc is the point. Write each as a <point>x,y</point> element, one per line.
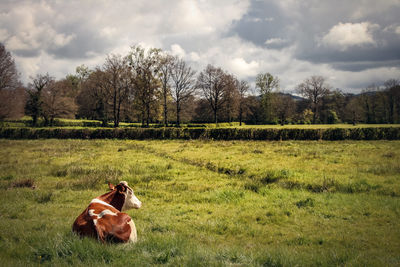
<point>386,133</point>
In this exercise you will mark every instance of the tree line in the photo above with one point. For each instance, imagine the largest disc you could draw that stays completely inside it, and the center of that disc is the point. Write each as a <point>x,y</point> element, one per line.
<point>152,86</point>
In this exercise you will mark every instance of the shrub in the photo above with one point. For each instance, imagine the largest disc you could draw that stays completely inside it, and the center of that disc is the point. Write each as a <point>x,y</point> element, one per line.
<point>390,133</point>
<point>334,134</point>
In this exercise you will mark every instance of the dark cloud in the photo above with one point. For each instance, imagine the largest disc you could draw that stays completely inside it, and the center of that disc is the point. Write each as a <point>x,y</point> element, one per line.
<point>273,26</point>
<point>264,21</point>
<point>85,43</point>
<point>364,65</point>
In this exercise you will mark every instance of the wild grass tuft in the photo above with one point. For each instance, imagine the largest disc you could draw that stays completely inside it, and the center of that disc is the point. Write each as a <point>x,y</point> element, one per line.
<point>43,197</point>
<point>308,202</point>
<point>29,182</point>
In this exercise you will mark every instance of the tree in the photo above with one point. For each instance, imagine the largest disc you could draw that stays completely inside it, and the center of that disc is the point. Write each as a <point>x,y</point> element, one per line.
<point>314,89</point>
<point>211,82</point>
<point>93,97</point>
<point>353,111</point>
<point>11,92</point>
<point>243,88</point>
<point>285,107</point>
<point>12,103</point>
<point>166,65</point>
<point>183,81</point>
<point>57,101</point>
<point>82,72</point>
<point>255,110</point>
<point>267,83</point>
<point>117,83</point>
<point>231,98</point>
<point>9,78</point>
<point>372,100</point>
<point>392,90</point>
<point>332,107</point>
<point>145,66</point>
<point>34,104</point>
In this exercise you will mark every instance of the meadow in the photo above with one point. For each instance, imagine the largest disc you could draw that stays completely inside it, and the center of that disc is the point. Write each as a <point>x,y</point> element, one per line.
<point>205,203</point>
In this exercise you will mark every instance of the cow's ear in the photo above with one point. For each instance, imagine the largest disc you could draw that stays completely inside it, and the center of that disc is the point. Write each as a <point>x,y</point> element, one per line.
<point>121,188</point>
<point>111,186</point>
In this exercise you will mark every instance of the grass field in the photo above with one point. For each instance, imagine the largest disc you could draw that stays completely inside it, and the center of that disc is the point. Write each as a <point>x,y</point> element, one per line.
<point>205,203</point>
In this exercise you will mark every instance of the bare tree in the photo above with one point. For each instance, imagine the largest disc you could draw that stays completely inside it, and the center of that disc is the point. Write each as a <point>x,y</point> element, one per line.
<point>93,97</point>
<point>285,107</point>
<point>57,101</point>
<point>243,88</point>
<point>166,65</point>
<point>211,82</point>
<point>12,103</point>
<point>183,81</point>
<point>392,90</point>
<point>231,97</point>
<point>314,89</point>
<point>117,79</point>
<point>34,104</point>
<point>9,78</point>
<point>353,111</point>
<point>11,92</point>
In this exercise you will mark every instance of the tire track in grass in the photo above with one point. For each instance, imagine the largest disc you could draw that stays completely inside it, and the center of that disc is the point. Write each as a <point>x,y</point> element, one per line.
<point>196,163</point>
<point>280,178</point>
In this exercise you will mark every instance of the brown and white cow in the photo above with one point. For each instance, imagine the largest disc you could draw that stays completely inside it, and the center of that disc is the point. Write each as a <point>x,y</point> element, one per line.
<point>103,217</point>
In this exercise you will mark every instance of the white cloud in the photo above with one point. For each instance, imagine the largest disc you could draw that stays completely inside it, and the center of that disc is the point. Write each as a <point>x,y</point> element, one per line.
<point>241,68</point>
<point>3,35</point>
<point>275,41</point>
<point>194,56</point>
<point>261,19</point>
<point>345,35</point>
<point>177,50</point>
<point>60,40</point>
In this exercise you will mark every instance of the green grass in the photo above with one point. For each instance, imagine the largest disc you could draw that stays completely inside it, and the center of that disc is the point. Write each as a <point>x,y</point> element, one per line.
<point>83,123</point>
<point>205,203</point>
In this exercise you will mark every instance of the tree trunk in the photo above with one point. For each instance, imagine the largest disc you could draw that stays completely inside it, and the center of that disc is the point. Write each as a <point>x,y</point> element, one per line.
<point>116,120</point>
<point>165,109</point>
<point>148,115</point>
<point>240,116</point>
<point>46,121</point>
<point>34,120</point>
<point>115,107</point>
<point>315,113</point>
<point>178,110</point>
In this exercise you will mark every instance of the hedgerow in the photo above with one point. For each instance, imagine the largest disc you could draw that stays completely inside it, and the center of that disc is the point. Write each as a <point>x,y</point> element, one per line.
<point>387,133</point>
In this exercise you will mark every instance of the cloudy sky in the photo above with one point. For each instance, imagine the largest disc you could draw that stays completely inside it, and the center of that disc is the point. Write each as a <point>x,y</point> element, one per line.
<point>352,43</point>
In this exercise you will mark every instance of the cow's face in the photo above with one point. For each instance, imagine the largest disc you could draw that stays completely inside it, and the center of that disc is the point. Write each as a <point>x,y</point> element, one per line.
<point>131,201</point>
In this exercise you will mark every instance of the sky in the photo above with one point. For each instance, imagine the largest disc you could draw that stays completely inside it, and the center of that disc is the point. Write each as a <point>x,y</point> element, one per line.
<point>352,43</point>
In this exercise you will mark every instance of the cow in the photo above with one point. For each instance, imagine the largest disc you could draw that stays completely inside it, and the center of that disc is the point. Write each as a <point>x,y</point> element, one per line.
<point>103,217</point>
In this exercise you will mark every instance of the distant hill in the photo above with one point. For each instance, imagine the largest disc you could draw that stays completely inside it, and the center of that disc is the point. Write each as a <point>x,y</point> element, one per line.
<point>294,97</point>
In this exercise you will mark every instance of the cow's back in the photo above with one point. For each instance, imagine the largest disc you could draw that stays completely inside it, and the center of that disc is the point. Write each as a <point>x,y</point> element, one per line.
<point>84,226</point>
<point>105,223</point>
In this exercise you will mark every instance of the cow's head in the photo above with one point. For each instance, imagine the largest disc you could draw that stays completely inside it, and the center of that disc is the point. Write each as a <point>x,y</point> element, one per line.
<point>131,201</point>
